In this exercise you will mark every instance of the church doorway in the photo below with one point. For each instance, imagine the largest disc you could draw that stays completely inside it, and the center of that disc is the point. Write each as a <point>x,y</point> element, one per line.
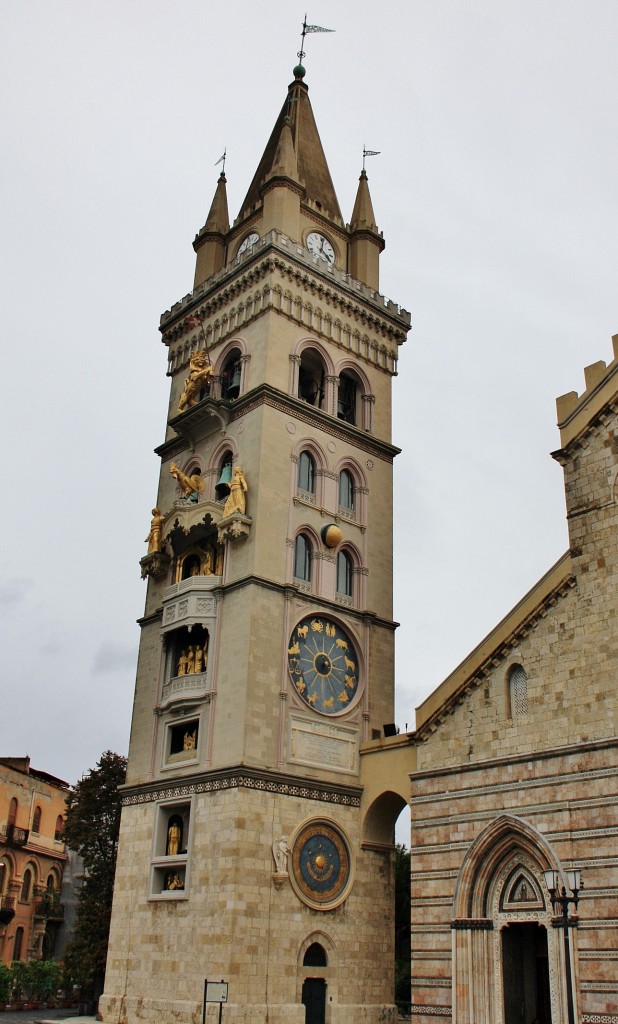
<point>314,1000</point>
<point>525,974</point>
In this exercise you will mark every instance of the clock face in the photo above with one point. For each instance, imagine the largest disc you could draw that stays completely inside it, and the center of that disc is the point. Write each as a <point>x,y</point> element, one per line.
<point>320,865</point>
<point>320,246</point>
<point>248,242</point>
<point>323,664</point>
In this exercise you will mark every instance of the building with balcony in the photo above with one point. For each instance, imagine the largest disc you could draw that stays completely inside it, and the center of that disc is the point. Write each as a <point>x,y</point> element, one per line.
<point>32,859</point>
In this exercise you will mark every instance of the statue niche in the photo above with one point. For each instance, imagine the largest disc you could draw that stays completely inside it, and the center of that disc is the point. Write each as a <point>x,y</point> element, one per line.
<point>202,559</point>
<point>189,651</point>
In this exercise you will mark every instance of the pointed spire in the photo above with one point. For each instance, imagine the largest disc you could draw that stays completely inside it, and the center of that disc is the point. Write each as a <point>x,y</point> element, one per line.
<point>296,120</point>
<point>209,243</point>
<point>363,217</point>
<point>284,163</point>
<point>366,242</point>
<point>218,218</point>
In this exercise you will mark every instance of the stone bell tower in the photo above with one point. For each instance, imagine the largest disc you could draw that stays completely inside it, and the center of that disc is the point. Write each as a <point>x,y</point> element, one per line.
<point>266,654</point>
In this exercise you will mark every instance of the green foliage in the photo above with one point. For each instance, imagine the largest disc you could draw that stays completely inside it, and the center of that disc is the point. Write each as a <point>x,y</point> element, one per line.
<point>402,928</point>
<point>20,975</point>
<point>6,984</point>
<point>92,827</point>
<point>44,978</point>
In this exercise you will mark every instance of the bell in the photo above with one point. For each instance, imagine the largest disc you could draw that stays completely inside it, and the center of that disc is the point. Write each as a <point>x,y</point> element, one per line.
<point>222,487</point>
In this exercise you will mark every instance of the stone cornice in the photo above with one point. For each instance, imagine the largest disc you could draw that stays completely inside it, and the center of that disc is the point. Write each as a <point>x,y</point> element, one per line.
<point>308,414</point>
<point>497,646</point>
<point>242,777</point>
<point>568,750</point>
<point>276,254</point>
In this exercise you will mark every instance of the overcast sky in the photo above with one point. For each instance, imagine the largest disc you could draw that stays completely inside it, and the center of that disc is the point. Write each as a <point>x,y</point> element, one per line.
<point>496,192</point>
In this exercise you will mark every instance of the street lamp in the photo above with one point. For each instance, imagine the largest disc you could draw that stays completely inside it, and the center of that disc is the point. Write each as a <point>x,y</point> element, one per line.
<point>559,899</point>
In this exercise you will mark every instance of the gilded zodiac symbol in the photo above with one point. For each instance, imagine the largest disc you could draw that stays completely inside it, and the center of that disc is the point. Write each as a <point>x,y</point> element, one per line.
<point>294,649</point>
<point>302,631</point>
<point>342,644</point>
<point>317,626</point>
<point>350,664</point>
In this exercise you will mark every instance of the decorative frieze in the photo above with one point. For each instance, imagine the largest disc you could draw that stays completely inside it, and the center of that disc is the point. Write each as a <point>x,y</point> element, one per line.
<point>244,779</point>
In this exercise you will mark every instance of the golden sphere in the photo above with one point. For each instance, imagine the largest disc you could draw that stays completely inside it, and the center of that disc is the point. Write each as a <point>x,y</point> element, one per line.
<point>320,861</point>
<point>331,535</point>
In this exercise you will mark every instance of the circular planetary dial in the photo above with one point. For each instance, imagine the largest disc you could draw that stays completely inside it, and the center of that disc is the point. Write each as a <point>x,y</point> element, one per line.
<point>323,664</point>
<point>321,865</point>
<point>319,245</point>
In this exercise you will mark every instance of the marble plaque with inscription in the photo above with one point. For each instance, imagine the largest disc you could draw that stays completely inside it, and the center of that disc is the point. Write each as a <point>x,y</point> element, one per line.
<point>324,744</point>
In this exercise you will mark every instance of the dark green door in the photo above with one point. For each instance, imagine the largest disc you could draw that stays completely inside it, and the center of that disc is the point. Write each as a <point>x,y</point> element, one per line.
<point>314,999</point>
<point>525,974</point>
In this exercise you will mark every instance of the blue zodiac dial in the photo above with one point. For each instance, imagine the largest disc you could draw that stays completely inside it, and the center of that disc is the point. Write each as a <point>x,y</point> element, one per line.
<point>320,865</point>
<point>323,664</point>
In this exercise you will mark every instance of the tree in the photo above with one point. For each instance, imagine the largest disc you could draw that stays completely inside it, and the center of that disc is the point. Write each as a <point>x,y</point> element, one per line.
<point>91,829</point>
<point>402,927</point>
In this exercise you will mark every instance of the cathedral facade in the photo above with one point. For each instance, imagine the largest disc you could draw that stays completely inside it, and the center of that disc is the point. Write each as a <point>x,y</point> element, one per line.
<point>266,655</point>
<point>514,780</point>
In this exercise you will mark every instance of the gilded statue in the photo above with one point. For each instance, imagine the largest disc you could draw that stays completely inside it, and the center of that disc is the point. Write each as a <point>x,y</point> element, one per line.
<point>199,660</point>
<point>153,539</point>
<point>190,661</point>
<point>182,664</point>
<point>236,500</point>
<point>173,881</point>
<point>189,740</point>
<point>200,371</point>
<point>173,840</point>
<point>188,484</point>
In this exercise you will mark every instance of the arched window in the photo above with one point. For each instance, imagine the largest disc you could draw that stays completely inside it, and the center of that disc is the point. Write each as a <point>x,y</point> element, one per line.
<point>347,399</point>
<point>344,574</point>
<point>306,473</point>
<point>346,490</point>
<point>302,558</point>
<point>26,886</point>
<point>12,818</point>
<point>231,376</point>
<point>315,956</point>
<point>518,691</point>
<point>36,819</point>
<point>311,376</point>
<point>222,487</point>
<point>59,828</point>
<point>4,877</point>
<point>19,938</point>
<point>191,566</point>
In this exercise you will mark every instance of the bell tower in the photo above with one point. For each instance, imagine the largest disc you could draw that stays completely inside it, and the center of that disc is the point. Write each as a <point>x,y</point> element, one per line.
<point>266,655</point>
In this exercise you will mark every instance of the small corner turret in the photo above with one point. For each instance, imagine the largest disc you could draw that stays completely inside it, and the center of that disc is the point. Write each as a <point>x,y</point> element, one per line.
<point>366,242</point>
<point>210,242</point>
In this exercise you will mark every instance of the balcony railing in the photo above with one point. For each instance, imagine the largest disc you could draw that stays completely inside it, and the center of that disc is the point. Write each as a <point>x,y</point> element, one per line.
<point>7,909</point>
<point>16,836</point>
<point>50,908</point>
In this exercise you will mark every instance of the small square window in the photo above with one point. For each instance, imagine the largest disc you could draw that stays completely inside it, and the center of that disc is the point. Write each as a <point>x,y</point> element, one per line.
<point>181,741</point>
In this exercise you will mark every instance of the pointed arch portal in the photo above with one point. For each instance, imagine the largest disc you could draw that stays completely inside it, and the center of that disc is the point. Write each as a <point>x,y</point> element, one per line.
<point>507,956</point>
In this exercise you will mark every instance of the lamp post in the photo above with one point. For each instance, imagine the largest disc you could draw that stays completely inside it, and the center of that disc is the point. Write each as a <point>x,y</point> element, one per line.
<point>560,899</point>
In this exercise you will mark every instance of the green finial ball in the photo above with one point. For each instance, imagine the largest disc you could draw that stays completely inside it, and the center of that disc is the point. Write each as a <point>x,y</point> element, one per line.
<point>299,71</point>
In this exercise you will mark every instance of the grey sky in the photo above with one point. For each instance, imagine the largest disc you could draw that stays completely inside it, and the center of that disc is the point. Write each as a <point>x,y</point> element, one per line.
<point>496,192</point>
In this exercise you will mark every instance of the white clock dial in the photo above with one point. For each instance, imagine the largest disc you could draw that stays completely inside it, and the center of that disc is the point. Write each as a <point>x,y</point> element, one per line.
<point>320,246</point>
<point>249,241</point>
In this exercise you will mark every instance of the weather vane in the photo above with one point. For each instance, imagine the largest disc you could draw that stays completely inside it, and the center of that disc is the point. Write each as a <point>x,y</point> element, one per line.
<point>221,160</point>
<point>306,30</point>
<point>369,152</point>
